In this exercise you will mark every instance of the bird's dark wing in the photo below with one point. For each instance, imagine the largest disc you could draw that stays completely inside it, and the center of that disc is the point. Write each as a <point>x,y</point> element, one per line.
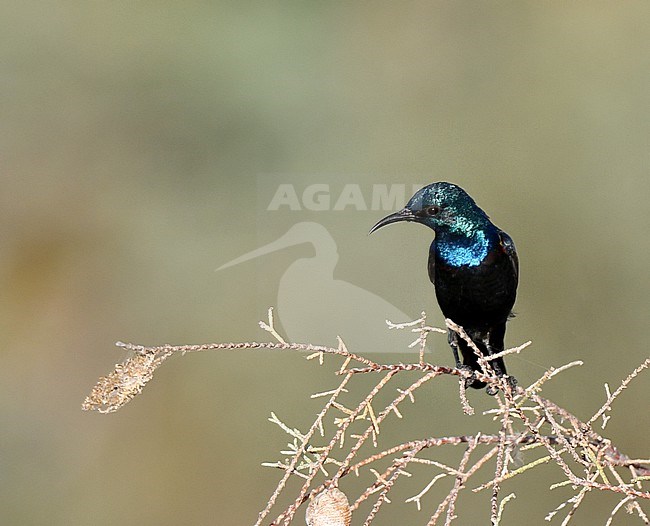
<point>432,263</point>
<point>508,247</point>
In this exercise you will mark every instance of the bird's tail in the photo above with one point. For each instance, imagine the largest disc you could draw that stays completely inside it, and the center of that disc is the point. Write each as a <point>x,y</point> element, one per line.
<point>471,360</point>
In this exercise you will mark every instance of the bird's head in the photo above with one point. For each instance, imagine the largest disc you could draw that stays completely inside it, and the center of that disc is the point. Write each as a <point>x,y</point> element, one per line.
<point>443,207</point>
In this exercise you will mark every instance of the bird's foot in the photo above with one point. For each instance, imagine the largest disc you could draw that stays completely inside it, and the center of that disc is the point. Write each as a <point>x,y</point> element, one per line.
<point>512,384</point>
<point>494,389</point>
<point>470,381</point>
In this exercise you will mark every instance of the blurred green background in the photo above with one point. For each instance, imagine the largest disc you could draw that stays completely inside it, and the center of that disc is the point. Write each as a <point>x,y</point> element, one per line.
<point>139,142</point>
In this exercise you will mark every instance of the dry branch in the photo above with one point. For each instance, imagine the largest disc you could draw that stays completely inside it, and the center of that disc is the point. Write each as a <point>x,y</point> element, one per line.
<point>587,461</point>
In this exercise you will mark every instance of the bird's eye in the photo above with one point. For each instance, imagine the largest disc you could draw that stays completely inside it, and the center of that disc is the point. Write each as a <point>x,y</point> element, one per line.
<point>432,210</point>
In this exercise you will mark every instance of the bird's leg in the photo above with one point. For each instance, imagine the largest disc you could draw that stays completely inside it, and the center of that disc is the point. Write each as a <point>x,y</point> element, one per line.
<point>452,338</point>
<point>495,344</point>
<point>490,367</point>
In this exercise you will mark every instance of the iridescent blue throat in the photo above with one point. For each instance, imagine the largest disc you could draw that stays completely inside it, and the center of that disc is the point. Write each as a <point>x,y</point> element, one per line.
<point>462,251</point>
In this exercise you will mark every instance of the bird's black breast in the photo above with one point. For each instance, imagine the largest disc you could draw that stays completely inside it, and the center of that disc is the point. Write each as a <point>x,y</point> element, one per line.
<point>479,295</point>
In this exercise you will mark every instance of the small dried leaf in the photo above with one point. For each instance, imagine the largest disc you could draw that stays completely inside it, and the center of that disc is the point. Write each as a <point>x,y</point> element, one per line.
<point>329,508</point>
<point>125,382</point>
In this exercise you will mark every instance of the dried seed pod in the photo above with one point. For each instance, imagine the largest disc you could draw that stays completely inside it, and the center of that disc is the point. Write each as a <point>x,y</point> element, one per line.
<point>329,508</point>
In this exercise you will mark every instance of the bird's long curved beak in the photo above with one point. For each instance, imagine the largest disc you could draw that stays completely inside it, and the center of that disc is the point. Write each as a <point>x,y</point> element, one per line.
<point>404,214</point>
